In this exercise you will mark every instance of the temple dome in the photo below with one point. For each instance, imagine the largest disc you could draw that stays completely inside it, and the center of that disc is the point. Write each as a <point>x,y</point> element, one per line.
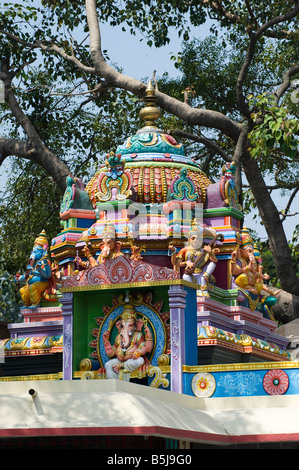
<point>155,161</point>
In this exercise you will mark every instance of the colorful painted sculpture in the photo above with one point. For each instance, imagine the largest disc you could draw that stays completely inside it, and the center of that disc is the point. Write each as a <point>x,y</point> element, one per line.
<point>85,246</point>
<point>38,276</point>
<point>75,196</point>
<point>248,276</point>
<point>127,317</point>
<point>130,347</point>
<point>110,249</point>
<point>244,266</point>
<point>227,185</point>
<point>261,275</point>
<point>114,182</point>
<point>136,250</point>
<point>198,257</point>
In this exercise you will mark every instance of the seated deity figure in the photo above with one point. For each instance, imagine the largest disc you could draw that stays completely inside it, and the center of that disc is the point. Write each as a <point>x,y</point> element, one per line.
<point>263,276</point>
<point>38,276</point>
<point>244,267</point>
<point>130,347</point>
<point>249,278</point>
<point>110,249</point>
<point>198,257</point>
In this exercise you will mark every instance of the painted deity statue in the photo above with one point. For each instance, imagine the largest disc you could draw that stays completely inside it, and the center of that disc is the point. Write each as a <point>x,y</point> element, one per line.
<point>38,276</point>
<point>244,267</point>
<point>247,268</point>
<point>110,249</point>
<point>198,257</point>
<point>130,347</point>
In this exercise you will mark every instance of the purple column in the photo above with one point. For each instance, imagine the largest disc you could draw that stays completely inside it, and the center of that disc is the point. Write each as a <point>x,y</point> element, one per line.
<point>67,313</point>
<point>177,304</point>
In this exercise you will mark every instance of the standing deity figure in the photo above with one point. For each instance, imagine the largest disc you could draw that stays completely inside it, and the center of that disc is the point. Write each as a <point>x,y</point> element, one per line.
<point>130,347</point>
<point>110,249</point>
<point>38,275</point>
<point>198,257</point>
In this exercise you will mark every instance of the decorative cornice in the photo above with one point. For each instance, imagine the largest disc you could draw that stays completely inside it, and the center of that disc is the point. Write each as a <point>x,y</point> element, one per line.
<point>23,378</point>
<point>32,345</point>
<point>130,285</point>
<point>241,366</point>
<point>120,270</point>
<point>223,211</point>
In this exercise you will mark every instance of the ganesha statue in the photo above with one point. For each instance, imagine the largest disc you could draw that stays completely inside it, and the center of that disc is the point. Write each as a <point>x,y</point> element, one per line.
<point>130,347</point>
<point>38,277</point>
<point>248,275</point>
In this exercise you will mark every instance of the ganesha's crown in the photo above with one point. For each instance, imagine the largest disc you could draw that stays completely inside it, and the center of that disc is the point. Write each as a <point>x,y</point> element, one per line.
<point>41,240</point>
<point>128,313</point>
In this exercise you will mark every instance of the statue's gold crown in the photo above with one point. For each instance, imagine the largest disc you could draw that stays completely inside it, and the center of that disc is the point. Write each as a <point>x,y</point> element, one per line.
<point>128,313</point>
<point>246,239</point>
<point>41,240</point>
<point>194,228</point>
<point>109,231</point>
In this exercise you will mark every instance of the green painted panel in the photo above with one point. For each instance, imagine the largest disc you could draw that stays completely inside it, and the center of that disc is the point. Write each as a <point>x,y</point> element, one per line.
<point>88,306</point>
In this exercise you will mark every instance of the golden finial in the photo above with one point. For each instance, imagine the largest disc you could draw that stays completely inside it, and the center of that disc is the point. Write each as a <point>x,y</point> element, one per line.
<point>150,113</point>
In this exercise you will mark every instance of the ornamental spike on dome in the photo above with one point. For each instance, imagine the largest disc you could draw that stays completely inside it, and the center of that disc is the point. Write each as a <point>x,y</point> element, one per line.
<point>150,113</point>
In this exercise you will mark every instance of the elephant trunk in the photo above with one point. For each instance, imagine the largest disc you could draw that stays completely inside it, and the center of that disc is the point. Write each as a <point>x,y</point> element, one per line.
<point>125,334</point>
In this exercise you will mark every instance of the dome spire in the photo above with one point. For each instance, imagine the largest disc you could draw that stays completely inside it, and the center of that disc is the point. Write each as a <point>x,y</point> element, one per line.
<point>150,113</point>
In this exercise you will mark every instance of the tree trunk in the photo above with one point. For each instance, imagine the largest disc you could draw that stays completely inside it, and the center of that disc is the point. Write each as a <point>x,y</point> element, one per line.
<point>38,154</point>
<point>273,225</point>
<point>34,149</point>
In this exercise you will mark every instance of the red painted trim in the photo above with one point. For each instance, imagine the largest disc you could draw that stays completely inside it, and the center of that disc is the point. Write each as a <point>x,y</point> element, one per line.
<point>156,431</point>
<point>77,213</point>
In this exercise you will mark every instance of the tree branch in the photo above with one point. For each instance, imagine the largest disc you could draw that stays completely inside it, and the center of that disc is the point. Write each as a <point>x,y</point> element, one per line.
<point>18,148</point>
<point>34,150</point>
<point>250,54</point>
<point>218,8</point>
<point>233,18</point>
<point>242,74</point>
<point>50,47</point>
<point>14,106</point>
<point>288,206</point>
<point>202,140</point>
<point>202,117</point>
<point>278,19</point>
<point>286,82</point>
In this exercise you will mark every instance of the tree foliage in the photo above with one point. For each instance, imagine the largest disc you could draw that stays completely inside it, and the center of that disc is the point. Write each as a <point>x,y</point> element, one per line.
<point>9,298</point>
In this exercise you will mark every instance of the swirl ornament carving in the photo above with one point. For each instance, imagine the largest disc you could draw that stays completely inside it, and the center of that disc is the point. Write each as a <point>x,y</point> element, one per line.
<point>85,365</point>
<point>159,379</point>
<point>239,384</point>
<point>183,188</point>
<point>89,375</point>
